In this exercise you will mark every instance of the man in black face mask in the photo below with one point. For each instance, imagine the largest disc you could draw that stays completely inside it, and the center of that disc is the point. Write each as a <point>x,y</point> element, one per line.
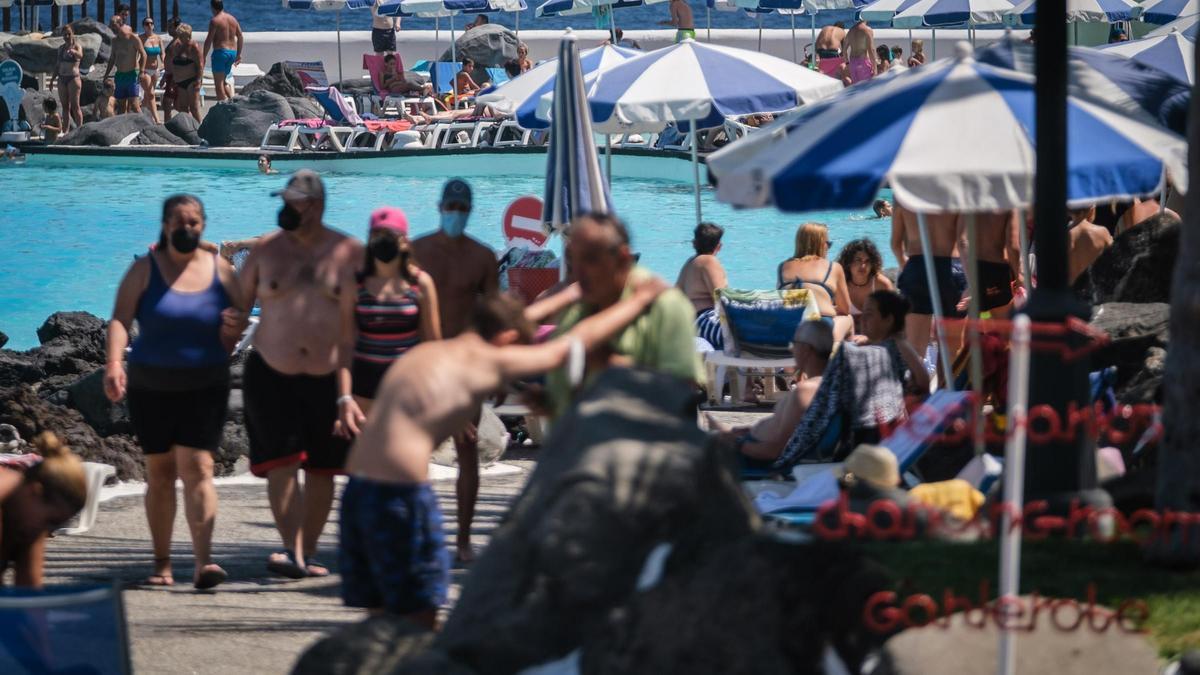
<point>304,279</point>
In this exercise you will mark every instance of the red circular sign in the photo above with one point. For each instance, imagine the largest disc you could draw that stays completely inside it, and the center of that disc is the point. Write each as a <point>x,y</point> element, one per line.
<point>523,220</point>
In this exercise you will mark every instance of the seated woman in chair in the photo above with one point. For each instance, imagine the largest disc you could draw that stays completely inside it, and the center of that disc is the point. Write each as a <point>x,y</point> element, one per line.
<point>882,321</point>
<point>38,493</point>
<point>810,269</point>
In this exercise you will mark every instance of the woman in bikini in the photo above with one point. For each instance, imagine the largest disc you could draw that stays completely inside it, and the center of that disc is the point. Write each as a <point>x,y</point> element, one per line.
<point>861,259</point>
<point>397,309</point>
<point>186,66</point>
<point>154,49</point>
<point>69,56</point>
<point>808,268</point>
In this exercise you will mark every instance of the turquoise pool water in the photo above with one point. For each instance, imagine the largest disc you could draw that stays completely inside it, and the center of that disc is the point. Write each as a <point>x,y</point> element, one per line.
<point>68,233</point>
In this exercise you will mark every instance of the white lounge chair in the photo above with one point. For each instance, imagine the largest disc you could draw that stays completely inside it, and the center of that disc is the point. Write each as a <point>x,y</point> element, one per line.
<point>95,474</point>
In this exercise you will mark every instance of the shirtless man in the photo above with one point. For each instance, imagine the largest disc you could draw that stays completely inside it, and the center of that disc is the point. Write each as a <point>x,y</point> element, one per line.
<point>391,553</point>
<point>999,256</point>
<point>463,270</point>
<point>224,39</point>
<point>860,52</point>
<point>304,279</point>
<point>829,49</point>
<point>945,236</point>
<point>383,30</point>
<point>128,58</point>
<point>1087,241</point>
<point>681,20</point>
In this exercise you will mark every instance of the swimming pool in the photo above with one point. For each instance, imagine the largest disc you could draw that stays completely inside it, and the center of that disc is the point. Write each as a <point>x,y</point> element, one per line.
<point>68,232</point>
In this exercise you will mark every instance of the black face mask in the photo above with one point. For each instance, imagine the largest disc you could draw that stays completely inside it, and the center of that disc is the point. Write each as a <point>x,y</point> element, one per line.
<point>185,240</point>
<point>384,249</point>
<point>289,218</point>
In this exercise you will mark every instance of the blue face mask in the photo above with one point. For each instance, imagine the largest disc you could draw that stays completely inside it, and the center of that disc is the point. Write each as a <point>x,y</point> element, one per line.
<point>454,223</point>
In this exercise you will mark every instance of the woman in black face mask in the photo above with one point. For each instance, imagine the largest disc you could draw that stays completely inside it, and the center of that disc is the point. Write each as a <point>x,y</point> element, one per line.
<point>178,377</point>
<point>397,308</point>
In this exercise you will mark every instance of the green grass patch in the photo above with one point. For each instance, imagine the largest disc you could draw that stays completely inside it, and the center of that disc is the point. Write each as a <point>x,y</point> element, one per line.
<point>1056,568</point>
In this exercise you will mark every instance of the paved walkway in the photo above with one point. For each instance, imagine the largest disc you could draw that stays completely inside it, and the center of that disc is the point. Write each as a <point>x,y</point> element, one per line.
<point>255,623</point>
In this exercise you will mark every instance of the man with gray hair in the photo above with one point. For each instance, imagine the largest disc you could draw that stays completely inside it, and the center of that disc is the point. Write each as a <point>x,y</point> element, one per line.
<point>812,345</point>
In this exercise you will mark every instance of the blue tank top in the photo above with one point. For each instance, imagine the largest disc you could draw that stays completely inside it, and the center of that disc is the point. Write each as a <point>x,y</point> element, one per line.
<point>177,329</point>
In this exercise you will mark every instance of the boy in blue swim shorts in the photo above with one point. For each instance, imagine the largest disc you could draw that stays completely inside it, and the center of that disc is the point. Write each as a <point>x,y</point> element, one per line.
<point>392,552</point>
<point>225,40</point>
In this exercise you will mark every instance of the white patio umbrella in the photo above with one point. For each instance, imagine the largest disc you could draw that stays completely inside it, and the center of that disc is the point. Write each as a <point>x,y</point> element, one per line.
<point>945,13</point>
<point>700,85</point>
<point>1078,11</point>
<point>1173,54</point>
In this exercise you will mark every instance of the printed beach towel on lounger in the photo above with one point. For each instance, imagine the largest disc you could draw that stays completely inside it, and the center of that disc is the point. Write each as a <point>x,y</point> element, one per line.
<point>761,323</point>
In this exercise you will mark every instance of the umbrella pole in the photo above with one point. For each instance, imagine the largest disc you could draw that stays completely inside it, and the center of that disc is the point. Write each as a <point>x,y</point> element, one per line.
<point>759,36</point>
<point>931,277</point>
<point>1014,482</point>
<point>1162,195</point>
<point>437,37</point>
<point>1023,242</point>
<point>812,23</point>
<point>608,157</point>
<point>517,18</point>
<point>795,55</point>
<point>708,20</point>
<point>338,20</point>
<point>933,39</point>
<point>976,355</point>
<point>696,167</point>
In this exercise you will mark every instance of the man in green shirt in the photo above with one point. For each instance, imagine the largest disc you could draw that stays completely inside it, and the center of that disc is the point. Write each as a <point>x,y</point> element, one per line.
<point>661,339</point>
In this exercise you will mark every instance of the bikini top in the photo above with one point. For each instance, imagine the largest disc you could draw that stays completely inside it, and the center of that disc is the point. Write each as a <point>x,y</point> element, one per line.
<point>854,311</point>
<point>67,55</point>
<point>798,282</point>
<point>153,51</point>
<point>181,60</point>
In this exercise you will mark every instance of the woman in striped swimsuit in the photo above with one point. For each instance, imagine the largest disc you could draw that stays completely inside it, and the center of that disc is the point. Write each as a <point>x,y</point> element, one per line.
<point>397,309</point>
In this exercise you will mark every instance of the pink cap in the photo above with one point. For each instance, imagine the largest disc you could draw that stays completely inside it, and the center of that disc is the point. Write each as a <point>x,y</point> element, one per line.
<point>389,218</point>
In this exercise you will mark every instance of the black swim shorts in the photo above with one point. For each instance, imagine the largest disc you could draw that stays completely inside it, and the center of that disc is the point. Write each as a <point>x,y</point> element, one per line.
<point>290,418</point>
<point>192,418</point>
<point>392,552</point>
<point>995,278</point>
<point>383,40</point>
<point>914,284</point>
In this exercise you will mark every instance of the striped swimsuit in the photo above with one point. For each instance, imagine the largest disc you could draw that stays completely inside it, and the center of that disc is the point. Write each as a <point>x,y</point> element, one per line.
<point>386,330</point>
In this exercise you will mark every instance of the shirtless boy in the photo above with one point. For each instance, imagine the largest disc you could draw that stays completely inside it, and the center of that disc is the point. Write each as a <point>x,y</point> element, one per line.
<point>681,20</point>
<point>224,39</point>
<point>829,50</point>
<point>391,553</point>
<point>1087,241</point>
<point>860,52</point>
<point>129,58</point>
<point>304,279</point>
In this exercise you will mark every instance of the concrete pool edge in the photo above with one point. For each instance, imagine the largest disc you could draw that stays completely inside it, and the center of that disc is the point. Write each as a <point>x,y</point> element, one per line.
<point>634,163</point>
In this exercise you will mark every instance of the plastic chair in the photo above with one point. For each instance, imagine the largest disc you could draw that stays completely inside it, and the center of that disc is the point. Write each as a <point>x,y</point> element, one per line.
<point>95,474</point>
<point>66,629</point>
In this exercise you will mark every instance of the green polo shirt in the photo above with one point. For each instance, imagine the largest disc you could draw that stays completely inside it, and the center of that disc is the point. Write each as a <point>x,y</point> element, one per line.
<point>662,338</point>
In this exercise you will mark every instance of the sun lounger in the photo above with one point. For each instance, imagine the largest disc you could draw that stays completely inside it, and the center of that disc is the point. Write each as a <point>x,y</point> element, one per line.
<point>757,327</point>
<point>510,134</point>
<point>64,629</point>
<point>333,134</point>
<point>908,442</point>
<point>387,104</point>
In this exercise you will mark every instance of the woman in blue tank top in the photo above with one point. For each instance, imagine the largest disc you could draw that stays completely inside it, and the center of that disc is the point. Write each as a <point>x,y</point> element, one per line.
<point>178,377</point>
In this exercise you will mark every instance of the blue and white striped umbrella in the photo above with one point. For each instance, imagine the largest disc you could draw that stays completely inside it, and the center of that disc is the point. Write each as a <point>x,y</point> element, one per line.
<point>882,11</point>
<point>952,136</point>
<point>939,13</point>
<point>1078,11</point>
<point>1186,26</point>
<point>574,182</point>
<point>335,6</point>
<point>1166,11</point>
<point>520,96</point>
<point>1173,54</point>
<point>705,83</point>
<point>1135,89</point>
<point>573,7</point>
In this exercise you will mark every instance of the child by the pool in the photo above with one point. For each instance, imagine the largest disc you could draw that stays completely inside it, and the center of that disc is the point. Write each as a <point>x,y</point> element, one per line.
<point>391,552</point>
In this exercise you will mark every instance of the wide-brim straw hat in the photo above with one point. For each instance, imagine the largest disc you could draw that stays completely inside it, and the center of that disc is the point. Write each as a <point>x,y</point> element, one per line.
<point>871,463</point>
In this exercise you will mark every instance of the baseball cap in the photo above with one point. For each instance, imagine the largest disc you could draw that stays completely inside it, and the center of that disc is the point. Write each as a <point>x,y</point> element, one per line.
<point>389,218</point>
<point>456,191</point>
<point>304,184</point>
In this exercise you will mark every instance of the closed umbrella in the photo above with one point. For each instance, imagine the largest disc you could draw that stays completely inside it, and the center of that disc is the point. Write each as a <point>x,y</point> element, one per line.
<point>335,6</point>
<point>520,96</point>
<point>910,131</point>
<point>699,85</point>
<point>1166,11</point>
<point>574,183</point>
<point>1186,26</point>
<point>1173,54</point>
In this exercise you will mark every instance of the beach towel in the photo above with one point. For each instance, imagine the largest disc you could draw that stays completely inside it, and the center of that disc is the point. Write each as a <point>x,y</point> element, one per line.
<point>761,323</point>
<point>863,385</point>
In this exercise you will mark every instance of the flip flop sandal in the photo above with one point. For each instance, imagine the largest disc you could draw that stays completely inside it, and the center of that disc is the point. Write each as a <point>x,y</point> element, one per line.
<point>286,568</point>
<point>313,562</point>
<point>156,581</point>
<point>210,578</point>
